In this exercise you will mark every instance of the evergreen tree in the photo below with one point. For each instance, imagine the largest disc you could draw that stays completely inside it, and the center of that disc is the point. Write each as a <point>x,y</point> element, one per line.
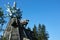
<point>39,32</point>
<point>44,35</point>
<point>35,31</point>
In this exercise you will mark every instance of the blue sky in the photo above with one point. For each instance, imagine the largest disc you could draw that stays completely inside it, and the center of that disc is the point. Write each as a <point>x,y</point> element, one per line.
<point>40,11</point>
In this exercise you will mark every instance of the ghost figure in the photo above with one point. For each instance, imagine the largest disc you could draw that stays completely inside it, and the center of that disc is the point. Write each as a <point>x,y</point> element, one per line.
<point>9,10</point>
<point>13,11</point>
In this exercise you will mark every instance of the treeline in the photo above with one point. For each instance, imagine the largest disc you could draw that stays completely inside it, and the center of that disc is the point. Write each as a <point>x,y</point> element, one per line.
<point>40,32</point>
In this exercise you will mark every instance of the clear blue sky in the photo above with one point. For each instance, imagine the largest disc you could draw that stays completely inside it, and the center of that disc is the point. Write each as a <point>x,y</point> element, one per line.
<point>40,11</point>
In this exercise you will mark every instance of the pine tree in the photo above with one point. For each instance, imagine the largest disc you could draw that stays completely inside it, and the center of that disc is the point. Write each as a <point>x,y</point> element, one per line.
<point>35,31</point>
<point>44,35</point>
<point>39,32</point>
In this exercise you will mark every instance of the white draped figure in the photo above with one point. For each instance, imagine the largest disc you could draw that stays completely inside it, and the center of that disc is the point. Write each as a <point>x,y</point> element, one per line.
<point>13,11</point>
